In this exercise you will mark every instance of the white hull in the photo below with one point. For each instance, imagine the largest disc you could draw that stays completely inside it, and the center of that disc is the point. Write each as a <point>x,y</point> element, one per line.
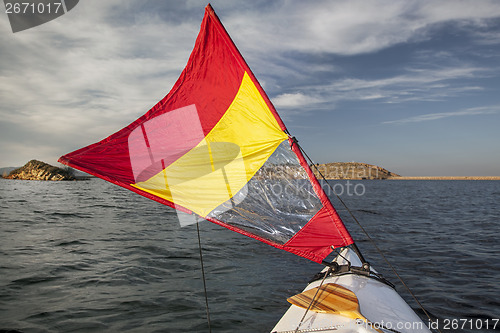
<point>379,303</point>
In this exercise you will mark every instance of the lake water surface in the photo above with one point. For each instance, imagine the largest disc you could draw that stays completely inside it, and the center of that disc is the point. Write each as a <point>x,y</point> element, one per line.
<point>89,256</point>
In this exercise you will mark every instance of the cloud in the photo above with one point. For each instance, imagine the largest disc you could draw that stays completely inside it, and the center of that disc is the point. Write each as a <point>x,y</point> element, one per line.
<point>351,27</point>
<point>92,71</point>
<point>413,77</point>
<point>440,115</point>
<point>85,75</point>
<point>412,85</point>
<point>294,100</point>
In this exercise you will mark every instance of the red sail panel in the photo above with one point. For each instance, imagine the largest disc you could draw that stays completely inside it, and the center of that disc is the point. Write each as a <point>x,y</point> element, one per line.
<point>210,81</point>
<point>215,146</point>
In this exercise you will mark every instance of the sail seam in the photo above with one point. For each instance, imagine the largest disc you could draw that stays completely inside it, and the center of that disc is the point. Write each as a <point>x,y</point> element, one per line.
<point>237,55</point>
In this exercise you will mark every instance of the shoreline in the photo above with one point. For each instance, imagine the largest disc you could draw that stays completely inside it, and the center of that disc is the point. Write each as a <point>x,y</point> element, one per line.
<point>447,178</point>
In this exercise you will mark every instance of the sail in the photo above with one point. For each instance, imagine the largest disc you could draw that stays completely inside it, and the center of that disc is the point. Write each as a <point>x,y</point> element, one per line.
<point>215,147</point>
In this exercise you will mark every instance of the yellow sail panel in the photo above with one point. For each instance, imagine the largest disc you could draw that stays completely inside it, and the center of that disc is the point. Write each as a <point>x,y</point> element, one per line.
<point>225,160</point>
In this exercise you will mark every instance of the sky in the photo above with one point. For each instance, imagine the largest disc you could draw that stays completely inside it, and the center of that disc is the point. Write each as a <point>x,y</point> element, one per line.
<point>410,85</point>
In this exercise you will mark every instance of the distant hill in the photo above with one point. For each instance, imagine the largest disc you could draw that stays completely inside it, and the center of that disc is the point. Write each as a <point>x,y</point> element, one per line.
<point>352,170</point>
<point>4,172</point>
<point>37,170</point>
<point>336,170</point>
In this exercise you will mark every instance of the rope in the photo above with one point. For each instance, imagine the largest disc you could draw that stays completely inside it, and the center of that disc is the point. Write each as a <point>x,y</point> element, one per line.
<point>340,254</point>
<point>367,235</point>
<point>312,301</point>
<point>203,275</point>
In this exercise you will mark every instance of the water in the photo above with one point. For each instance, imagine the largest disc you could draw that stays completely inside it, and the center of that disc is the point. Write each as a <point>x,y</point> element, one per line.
<point>91,257</point>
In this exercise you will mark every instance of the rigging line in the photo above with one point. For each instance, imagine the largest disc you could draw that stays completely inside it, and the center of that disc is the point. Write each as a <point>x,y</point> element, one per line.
<point>203,275</point>
<point>338,251</point>
<point>368,236</point>
<point>312,300</point>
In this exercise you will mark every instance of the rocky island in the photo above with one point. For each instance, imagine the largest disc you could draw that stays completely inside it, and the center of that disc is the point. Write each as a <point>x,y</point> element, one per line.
<point>352,170</point>
<point>336,170</point>
<point>37,170</point>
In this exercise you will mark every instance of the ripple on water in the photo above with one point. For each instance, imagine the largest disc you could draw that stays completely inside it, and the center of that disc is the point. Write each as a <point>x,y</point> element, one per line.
<point>92,257</point>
